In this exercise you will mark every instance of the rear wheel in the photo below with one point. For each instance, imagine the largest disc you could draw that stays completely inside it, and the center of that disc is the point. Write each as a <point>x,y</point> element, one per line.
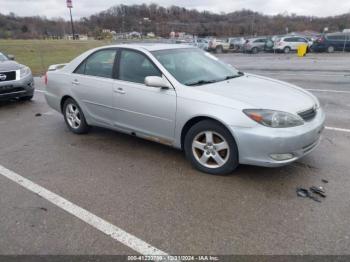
<point>211,148</point>
<point>330,49</point>
<point>219,49</point>
<point>287,50</point>
<point>74,117</point>
<point>255,50</point>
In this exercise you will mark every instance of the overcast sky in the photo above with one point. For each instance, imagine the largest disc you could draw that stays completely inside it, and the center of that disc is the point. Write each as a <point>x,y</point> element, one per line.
<point>57,8</point>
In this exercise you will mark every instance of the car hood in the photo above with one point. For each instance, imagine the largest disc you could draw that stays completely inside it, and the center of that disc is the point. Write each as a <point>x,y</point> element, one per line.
<point>260,93</point>
<point>9,66</point>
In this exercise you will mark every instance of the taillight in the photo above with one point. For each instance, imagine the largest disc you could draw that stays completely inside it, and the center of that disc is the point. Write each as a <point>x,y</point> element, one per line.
<point>320,40</point>
<point>46,79</point>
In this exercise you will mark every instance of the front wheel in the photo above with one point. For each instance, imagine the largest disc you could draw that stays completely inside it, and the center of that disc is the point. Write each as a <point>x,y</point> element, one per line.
<point>211,148</point>
<point>74,117</point>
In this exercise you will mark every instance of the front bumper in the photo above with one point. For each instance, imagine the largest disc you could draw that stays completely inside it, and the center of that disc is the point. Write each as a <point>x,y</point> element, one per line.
<point>17,88</point>
<point>257,144</point>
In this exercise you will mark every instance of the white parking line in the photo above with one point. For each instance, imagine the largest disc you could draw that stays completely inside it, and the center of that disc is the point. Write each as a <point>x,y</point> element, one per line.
<point>338,129</point>
<point>109,229</point>
<point>330,91</point>
<point>40,91</point>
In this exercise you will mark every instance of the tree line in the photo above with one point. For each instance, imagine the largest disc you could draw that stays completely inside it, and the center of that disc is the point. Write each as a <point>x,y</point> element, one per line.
<point>162,20</point>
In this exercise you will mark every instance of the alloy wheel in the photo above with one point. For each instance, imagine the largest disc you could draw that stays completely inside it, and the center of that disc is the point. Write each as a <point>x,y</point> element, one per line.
<point>73,116</point>
<point>210,149</point>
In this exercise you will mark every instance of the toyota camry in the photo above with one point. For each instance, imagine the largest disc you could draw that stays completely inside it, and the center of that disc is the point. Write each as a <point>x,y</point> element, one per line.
<point>188,99</point>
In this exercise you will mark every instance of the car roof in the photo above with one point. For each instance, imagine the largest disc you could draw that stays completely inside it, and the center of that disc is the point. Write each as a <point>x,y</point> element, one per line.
<point>151,46</point>
<point>256,38</point>
<point>337,33</point>
<point>292,36</point>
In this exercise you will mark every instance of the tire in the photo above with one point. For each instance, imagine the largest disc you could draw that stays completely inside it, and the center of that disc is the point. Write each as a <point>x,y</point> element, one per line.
<point>255,50</point>
<point>26,98</point>
<point>74,117</point>
<point>287,50</point>
<point>204,154</point>
<point>330,49</point>
<point>219,49</point>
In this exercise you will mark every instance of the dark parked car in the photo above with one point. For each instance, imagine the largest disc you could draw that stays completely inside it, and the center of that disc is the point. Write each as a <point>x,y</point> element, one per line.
<point>16,80</point>
<point>332,42</point>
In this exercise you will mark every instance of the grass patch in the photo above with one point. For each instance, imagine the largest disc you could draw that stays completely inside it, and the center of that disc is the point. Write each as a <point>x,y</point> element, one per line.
<point>39,54</point>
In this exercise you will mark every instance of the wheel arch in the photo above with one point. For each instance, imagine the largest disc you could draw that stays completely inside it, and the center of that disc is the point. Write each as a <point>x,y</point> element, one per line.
<point>194,120</point>
<point>63,100</point>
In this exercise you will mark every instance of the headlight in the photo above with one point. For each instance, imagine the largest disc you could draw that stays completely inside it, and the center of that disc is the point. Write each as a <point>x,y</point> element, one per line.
<point>24,71</point>
<point>272,118</point>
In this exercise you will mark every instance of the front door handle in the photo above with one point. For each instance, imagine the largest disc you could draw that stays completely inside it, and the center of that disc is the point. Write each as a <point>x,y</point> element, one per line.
<point>119,90</point>
<point>75,82</point>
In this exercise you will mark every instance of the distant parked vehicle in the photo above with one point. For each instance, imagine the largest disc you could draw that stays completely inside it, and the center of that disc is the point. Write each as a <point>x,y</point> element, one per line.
<point>287,44</point>
<point>203,43</point>
<point>269,45</point>
<point>332,42</point>
<point>236,43</point>
<point>219,46</point>
<point>255,45</point>
<point>16,80</point>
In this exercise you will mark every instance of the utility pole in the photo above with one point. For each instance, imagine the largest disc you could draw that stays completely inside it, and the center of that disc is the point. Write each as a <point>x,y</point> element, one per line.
<point>70,6</point>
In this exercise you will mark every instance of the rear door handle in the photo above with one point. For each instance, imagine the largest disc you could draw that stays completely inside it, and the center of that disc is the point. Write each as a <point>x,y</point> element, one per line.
<point>119,90</point>
<point>75,82</point>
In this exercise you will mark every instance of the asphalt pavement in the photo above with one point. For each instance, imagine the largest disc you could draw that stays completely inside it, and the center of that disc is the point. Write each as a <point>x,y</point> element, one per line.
<point>150,190</point>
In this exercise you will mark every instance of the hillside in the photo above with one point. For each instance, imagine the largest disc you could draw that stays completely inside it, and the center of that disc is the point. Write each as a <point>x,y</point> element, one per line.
<point>163,20</point>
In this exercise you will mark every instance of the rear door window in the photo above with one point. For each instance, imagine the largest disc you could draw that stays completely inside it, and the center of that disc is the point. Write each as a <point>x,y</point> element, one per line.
<point>336,37</point>
<point>98,64</point>
<point>302,40</point>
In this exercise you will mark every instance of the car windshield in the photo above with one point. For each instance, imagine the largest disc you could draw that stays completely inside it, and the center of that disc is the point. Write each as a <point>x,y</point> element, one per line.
<point>3,58</point>
<point>191,66</point>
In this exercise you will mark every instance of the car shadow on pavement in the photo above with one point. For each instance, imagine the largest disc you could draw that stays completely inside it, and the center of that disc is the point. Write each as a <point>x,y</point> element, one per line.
<point>11,103</point>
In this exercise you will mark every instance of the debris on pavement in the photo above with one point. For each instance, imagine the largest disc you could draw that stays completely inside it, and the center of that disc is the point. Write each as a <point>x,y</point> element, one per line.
<point>303,192</point>
<point>38,114</point>
<point>324,181</point>
<point>318,190</point>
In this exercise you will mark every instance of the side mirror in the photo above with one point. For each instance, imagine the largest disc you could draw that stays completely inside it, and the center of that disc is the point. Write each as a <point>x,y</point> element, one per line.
<point>11,57</point>
<point>156,81</point>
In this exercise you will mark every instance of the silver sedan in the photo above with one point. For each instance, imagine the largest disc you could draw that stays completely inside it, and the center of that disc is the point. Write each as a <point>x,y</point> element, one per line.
<point>186,98</point>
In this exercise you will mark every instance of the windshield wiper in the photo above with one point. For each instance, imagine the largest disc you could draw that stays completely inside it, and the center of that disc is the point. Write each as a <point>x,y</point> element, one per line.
<point>239,74</point>
<point>201,82</point>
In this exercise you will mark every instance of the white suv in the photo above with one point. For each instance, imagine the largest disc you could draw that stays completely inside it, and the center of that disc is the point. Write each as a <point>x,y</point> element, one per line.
<point>290,43</point>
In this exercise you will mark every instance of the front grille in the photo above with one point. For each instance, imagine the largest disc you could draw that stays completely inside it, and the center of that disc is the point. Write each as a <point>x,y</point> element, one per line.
<point>7,76</point>
<point>10,89</point>
<point>308,115</point>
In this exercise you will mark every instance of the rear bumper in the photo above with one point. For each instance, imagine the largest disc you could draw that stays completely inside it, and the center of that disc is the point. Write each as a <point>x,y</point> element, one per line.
<point>17,88</point>
<point>256,145</point>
